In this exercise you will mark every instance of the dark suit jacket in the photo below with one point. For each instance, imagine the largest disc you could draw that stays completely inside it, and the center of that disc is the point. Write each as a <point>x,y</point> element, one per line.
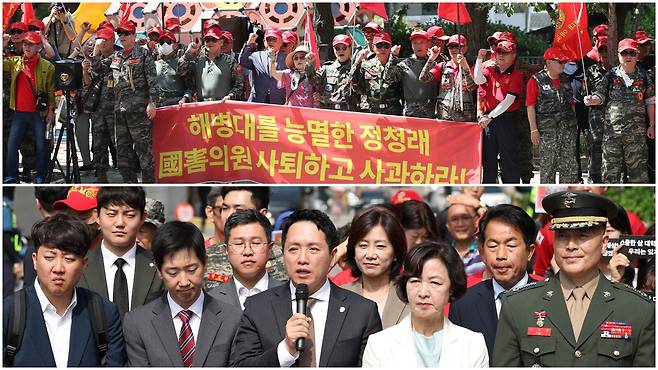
<point>151,339</point>
<point>350,320</point>
<point>227,293</point>
<point>476,310</point>
<point>147,286</point>
<point>35,349</point>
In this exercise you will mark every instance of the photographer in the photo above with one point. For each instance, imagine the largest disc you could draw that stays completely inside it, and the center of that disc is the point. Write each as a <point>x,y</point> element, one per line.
<point>33,80</point>
<point>60,30</point>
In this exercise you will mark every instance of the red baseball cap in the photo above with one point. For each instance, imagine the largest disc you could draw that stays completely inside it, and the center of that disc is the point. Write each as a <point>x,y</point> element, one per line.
<point>342,39</point>
<point>642,37</point>
<point>402,196</point>
<point>167,35</point>
<point>627,44</point>
<point>172,24</point>
<point>212,22</point>
<point>495,37</point>
<point>373,26</point>
<point>418,34</point>
<point>213,32</point>
<point>105,33</point>
<point>289,37</point>
<point>79,199</point>
<point>227,35</point>
<point>33,38</point>
<point>17,26</point>
<point>274,32</point>
<point>127,26</point>
<point>457,39</point>
<point>601,29</point>
<point>506,46</point>
<point>38,23</point>
<point>507,36</point>
<point>154,30</point>
<point>555,53</point>
<point>437,32</point>
<point>106,24</point>
<point>382,37</point>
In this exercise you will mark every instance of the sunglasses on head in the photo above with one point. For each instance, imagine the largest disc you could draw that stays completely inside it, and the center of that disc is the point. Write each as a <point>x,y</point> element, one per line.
<point>383,45</point>
<point>166,41</point>
<point>340,48</point>
<point>124,33</point>
<point>628,53</point>
<point>210,39</point>
<point>15,32</point>
<point>33,29</point>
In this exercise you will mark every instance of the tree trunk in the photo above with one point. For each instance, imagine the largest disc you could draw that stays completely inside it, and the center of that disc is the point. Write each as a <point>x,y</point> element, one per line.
<point>476,31</point>
<point>613,39</point>
<point>324,29</point>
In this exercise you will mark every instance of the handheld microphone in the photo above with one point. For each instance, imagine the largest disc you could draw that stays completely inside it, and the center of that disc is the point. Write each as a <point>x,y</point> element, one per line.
<point>301,298</point>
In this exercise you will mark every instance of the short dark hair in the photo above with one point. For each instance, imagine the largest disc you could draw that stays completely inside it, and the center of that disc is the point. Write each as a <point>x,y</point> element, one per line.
<point>64,231</point>
<point>363,224</point>
<point>48,195</point>
<point>512,216</point>
<point>214,193</point>
<point>174,236</point>
<point>131,196</point>
<point>247,217</point>
<point>260,195</point>
<point>319,218</point>
<point>414,214</point>
<point>420,254</point>
<point>621,222</point>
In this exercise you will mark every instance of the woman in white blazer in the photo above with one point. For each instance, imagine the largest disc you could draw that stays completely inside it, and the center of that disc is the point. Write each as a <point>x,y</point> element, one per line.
<point>433,276</point>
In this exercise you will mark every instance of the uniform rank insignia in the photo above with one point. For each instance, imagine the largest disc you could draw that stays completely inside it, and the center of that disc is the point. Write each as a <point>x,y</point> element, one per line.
<point>616,330</point>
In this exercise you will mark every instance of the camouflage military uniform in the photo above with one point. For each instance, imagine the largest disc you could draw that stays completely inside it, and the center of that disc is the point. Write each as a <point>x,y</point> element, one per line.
<point>558,130</point>
<point>213,79</point>
<point>171,83</point>
<point>377,93</point>
<point>419,95</point>
<point>595,75</point>
<point>135,85</point>
<point>219,269</point>
<point>625,128</point>
<point>332,83</point>
<point>448,104</point>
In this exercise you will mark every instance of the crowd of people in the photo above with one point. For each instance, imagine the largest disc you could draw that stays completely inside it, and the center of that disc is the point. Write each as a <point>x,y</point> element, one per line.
<point>125,79</point>
<point>399,286</point>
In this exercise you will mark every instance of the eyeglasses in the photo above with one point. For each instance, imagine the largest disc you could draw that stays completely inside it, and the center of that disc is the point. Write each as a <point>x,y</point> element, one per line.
<point>168,42</point>
<point>124,33</point>
<point>299,58</point>
<point>210,39</point>
<point>383,45</point>
<point>340,48</point>
<point>16,32</point>
<point>240,246</point>
<point>33,29</point>
<point>628,53</point>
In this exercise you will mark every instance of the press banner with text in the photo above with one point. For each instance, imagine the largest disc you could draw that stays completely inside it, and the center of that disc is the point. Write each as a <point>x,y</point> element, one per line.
<point>239,141</point>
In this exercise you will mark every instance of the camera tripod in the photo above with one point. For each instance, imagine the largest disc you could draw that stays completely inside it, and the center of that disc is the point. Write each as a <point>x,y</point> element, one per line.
<point>72,172</point>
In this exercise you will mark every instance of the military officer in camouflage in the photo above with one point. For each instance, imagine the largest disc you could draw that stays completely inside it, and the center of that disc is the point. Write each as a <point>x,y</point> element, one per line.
<point>136,91</point>
<point>219,269</point>
<point>595,74</point>
<point>419,96</point>
<point>173,85</point>
<point>578,317</point>
<point>332,79</point>
<point>371,79</point>
<point>553,124</point>
<point>454,101</point>
<point>628,95</point>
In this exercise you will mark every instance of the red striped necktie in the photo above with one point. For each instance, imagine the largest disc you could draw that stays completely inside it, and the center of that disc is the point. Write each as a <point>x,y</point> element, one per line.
<point>186,338</point>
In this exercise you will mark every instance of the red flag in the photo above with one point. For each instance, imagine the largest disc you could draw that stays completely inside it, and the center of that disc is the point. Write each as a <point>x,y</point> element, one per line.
<point>28,13</point>
<point>571,29</point>
<point>126,9</point>
<point>309,38</point>
<point>454,12</point>
<point>8,11</point>
<point>377,8</point>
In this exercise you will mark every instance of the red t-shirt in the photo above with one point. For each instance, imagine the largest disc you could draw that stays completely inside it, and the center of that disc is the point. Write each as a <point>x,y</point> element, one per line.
<point>532,90</point>
<point>499,84</point>
<point>28,100</point>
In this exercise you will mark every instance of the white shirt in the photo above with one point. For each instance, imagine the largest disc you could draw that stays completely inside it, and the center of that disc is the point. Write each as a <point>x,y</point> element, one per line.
<point>319,312</point>
<point>58,327</point>
<point>111,269</point>
<point>244,292</point>
<point>499,289</point>
<point>195,320</point>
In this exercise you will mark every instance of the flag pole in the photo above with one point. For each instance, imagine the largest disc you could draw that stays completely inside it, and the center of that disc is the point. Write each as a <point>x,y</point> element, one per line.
<point>460,87</point>
<point>580,47</point>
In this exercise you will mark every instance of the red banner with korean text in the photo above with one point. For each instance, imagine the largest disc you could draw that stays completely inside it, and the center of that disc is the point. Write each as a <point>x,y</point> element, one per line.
<point>238,141</point>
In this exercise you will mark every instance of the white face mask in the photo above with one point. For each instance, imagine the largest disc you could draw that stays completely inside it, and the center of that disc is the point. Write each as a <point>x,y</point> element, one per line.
<point>165,49</point>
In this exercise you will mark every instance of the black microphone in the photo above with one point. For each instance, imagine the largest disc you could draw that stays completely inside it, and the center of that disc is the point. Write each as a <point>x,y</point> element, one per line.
<point>301,297</point>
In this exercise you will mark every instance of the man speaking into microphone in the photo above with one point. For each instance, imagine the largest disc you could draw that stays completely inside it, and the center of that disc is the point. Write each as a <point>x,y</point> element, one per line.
<point>333,330</point>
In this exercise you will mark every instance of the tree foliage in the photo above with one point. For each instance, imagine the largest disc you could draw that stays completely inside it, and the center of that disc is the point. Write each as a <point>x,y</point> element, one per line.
<point>641,200</point>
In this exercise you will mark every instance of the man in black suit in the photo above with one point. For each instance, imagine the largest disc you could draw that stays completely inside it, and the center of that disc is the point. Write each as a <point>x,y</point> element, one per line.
<point>506,244</point>
<point>341,320</point>
<point>119,269</point>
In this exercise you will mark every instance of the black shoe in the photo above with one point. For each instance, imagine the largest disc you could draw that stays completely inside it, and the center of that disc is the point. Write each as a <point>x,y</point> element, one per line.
<point>87,167</point>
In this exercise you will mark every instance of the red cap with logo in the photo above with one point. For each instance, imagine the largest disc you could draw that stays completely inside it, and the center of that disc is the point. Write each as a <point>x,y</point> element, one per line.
<point>506,46</point>
<point>105,33</point>
<point>127,26</point>
<point>155,30</point>
<point>437,32</point>
<point>418,34</point>
<point>17,26</point>
<point>495,37</point>
<point>601,29</point>
<point>402,196</point>
<point>38,24</point>
<point>507,36</point>
<point>212,22</point>
<point>105,24</point>
<point>373,26</point>
<point>382,37</point>
<point>33,38</point>
<point>274,32</point>
<point>213,32</point>
<point>555,53</point>
<point>289,37</point>
<point>167,35</point>
<point>457,39</point>
<point>79,198</point>
<point>642,37</point>
<point>627,44</point>
<point>172,24</point>
<point>342,39</point>
<point>227,35</point>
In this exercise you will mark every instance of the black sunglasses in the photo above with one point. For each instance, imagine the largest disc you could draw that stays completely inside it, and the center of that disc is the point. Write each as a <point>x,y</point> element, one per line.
<point>210,39</point>
<point>16,32</point>
<point>124,33</point>
<point>383,45</point>
<point>340,48</point>
<point>33,28</point>
<point>162,42</point>
<point>628,53</point>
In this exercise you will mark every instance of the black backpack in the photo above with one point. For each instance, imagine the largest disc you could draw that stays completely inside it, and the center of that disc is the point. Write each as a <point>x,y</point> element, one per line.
<point>16,325</point>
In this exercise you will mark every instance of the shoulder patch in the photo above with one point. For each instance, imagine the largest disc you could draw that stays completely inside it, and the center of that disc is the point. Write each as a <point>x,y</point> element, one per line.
<point>630,289</point>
